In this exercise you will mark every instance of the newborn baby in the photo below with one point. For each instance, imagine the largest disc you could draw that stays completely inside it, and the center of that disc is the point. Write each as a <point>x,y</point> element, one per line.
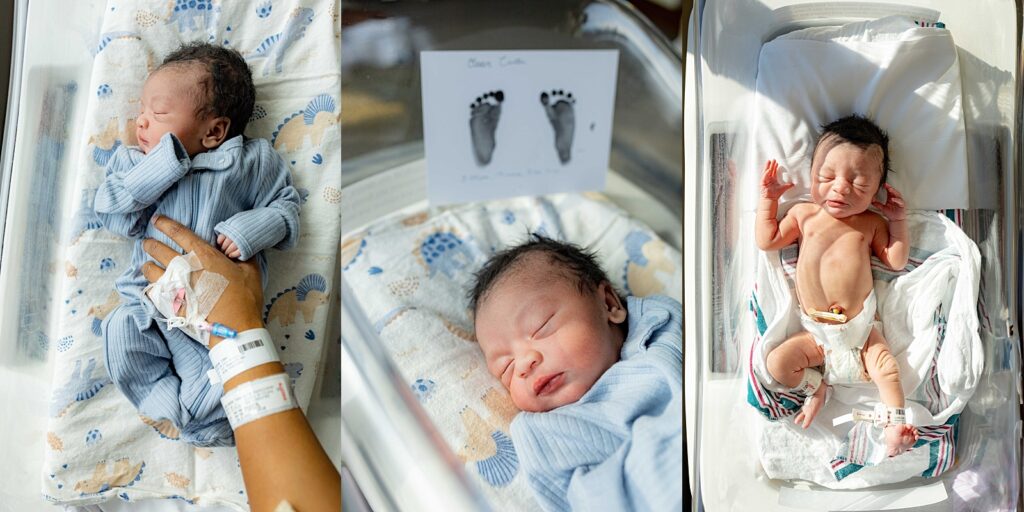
<point>193,165</point>
<point>834,286</point>
<point>599,378</point>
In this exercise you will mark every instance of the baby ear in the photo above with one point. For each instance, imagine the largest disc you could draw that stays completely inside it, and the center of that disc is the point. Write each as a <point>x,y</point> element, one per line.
<point>614,307</point>
<point>216,132</point>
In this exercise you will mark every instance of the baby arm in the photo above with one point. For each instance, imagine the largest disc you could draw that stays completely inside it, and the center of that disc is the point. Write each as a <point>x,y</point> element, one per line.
<point>135,181</point>
<point>273,222</point>
<point>769,233</point>
<point>892,243</point>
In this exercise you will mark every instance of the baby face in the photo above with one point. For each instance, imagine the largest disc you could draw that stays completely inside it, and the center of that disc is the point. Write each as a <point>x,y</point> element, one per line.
<point>168,104</point>
<point>547,342</point>
<point>845,179</point>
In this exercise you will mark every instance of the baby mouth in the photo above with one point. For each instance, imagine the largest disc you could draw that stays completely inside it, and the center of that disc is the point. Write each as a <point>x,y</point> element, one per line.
<point>548,384</point>
<point>835,204</point>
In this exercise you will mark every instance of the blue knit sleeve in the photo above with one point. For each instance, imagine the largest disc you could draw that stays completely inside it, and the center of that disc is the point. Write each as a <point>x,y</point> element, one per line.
<point>274,221</point>
<point>134,182</point>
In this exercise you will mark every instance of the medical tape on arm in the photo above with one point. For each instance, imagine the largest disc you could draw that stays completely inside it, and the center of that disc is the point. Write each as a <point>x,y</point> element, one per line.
<point>233,356</point>
<point>258,398</point>
<point>183,303</point>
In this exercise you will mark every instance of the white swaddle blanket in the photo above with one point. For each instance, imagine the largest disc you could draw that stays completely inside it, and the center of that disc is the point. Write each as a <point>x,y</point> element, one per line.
<point>929,316</point>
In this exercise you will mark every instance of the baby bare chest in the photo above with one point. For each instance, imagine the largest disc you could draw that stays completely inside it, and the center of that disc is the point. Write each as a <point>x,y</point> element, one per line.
<point>842,250</point>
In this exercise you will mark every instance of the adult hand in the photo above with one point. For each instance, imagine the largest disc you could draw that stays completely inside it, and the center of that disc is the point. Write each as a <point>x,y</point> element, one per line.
<point>240,304</point>
<point>770,186</point>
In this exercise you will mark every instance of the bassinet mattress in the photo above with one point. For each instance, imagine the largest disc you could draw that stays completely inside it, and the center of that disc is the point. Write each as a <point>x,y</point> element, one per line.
<point>411,271</point>
<point>98,447</point>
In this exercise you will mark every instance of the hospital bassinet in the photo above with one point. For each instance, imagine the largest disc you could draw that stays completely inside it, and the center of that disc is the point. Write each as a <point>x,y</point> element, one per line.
<point>726,42</point>
<point>396,454</point>
<point>54,57</point>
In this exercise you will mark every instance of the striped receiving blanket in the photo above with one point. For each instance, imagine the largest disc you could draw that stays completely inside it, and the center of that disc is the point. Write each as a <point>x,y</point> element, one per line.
<point>930,320</point>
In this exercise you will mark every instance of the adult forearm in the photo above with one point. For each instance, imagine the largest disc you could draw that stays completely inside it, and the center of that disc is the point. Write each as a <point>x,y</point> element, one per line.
<point>280,455</point>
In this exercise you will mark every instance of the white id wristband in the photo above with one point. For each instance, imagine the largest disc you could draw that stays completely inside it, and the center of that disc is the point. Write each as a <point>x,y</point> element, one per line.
<point>258,398</point>
<point>235,355</point>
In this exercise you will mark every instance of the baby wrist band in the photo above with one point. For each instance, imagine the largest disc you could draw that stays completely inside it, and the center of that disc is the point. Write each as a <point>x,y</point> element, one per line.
<point>881,416</point>
<point>258,398</point>
<point>810,382</point>
<point>247,350</point>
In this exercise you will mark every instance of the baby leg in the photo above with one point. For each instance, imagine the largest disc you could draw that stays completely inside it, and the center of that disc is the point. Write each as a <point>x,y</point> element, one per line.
<point>788,364</point>
<point>163,382</point>
<point>885,372</point>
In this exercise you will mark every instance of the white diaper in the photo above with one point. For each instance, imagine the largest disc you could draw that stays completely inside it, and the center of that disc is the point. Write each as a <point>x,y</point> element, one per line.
<point>843,343</point>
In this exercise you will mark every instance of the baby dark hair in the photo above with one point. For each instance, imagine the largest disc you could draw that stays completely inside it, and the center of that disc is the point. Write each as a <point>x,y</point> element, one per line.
<point>578,263</point>
<point>861,132</point>
<point>226,90</point>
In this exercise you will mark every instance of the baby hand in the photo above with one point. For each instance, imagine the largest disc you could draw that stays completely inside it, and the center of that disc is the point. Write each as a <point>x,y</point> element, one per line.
<point>894,208</point>
<point>228,247</point>
<point>899,438</point>
<point>770,187</point>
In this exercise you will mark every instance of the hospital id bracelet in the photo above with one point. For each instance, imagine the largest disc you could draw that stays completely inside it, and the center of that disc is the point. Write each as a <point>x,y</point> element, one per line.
<point>881,416</point>
<point>233,356</point>
<point>255,399</point>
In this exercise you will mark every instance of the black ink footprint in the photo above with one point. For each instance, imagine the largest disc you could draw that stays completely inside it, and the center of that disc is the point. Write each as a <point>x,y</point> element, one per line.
<point>483,121</point>
<point>559,105</point>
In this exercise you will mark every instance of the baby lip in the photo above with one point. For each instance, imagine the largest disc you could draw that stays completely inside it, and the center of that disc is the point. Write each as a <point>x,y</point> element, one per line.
<point>548,384</point>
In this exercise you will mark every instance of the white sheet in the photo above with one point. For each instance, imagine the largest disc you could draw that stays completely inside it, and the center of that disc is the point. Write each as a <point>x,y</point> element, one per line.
<point>930,321</point>
<point>97,446</point>
<point>905,78</point>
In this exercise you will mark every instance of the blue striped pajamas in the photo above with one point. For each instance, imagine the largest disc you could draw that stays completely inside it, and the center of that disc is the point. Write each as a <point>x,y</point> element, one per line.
<point>241,189</point>
<point>620,446</point>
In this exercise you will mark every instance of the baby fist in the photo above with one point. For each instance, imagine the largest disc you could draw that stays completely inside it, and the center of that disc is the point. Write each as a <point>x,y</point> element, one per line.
<point>228,247</point>
<point>894,208</point>
<point>770,186</point>
<point>899,438</point>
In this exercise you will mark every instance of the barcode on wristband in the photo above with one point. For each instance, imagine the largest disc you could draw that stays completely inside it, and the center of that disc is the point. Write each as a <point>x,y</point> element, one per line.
<point>249,346</point>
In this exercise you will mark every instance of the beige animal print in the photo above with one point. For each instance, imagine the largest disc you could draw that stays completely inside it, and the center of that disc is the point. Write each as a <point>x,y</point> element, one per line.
<point>291,136</point>
<point>55,442</point>
<point>645,280</point>
<point>416,219</point>
<point>332,195</point>
<point>404,288</point>
<point>479,444</point>
<point>121,473</point>
<point>164,427</point>
<point>176,480</point>
<point>287,307</point>
<point>459,331</point>
<point>112,132</point>
<point>101,311</point>
<point>70,270</point>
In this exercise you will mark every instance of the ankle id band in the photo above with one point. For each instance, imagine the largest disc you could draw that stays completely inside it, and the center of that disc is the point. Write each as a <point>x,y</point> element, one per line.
<point>258,398</point>
<point>233,356</point>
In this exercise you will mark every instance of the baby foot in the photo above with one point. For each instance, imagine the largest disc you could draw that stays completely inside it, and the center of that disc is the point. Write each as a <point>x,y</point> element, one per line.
<point>812,405</point>
<point>899,438</point>
<point>561,113</point>
<point>483,121</point>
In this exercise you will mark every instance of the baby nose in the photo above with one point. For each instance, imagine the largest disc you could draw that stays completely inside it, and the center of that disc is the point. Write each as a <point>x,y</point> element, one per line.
<point>528,363</point>
<point>141,121</point>
<point>843,186</point>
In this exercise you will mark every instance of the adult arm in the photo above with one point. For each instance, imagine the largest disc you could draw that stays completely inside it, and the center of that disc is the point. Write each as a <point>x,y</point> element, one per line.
<point>280,455</point>
<point>135,181</point>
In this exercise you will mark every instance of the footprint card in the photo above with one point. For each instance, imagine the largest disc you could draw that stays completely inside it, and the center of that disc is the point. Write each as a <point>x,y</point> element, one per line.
<point>513,123</point>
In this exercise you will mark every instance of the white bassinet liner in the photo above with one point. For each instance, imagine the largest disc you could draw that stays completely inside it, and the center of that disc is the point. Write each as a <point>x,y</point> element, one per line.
<point>929,318</point>
<point>907,79</point>
<point>98,447</point>
<point>411,272</point>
